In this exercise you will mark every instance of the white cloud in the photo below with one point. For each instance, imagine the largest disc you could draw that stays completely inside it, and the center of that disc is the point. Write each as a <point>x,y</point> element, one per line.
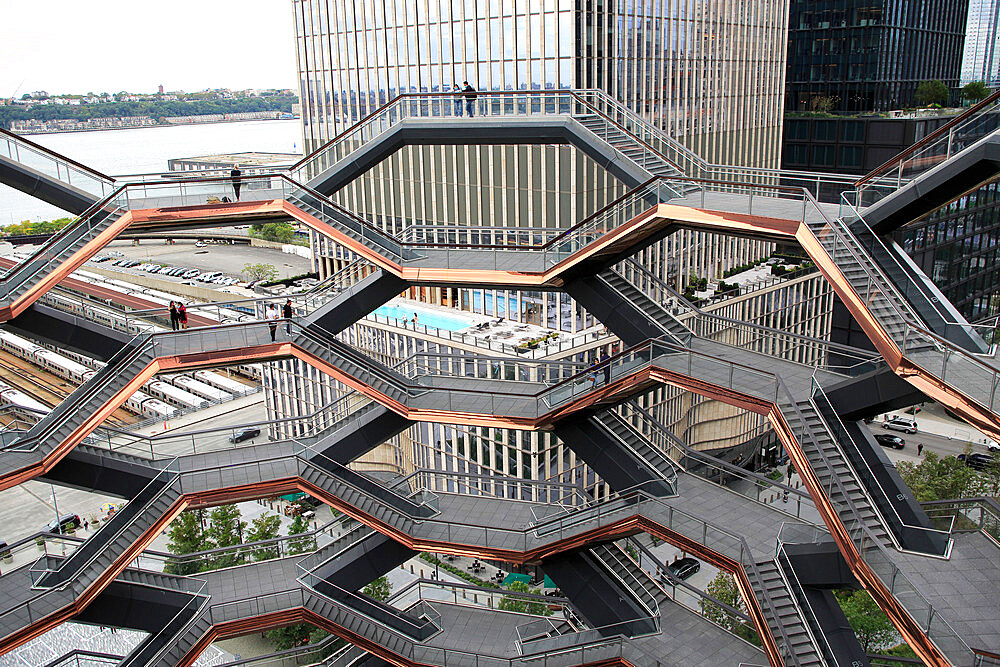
<point>64,46</point>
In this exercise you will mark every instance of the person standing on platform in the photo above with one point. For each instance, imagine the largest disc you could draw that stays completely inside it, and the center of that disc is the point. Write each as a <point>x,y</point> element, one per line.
<point>235,175</point>
<point>182,315</point>
<point>272,316</point>
<point>458,101</point>
<point>288,314</point>
<point>470,98</point>
<point>174,317</point>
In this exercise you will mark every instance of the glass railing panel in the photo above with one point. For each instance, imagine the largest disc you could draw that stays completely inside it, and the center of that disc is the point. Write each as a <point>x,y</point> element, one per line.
<point>51,164</point>
<point>132,513</point>
<point>945,142</point>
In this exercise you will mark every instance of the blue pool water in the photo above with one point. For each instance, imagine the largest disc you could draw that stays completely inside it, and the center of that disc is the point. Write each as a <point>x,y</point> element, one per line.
<point>426,317</point>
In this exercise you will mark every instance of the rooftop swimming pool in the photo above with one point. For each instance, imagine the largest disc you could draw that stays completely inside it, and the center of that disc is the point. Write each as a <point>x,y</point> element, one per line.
<point>431,318</point>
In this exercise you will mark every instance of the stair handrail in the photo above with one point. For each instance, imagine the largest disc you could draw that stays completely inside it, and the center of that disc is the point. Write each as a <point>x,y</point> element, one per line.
<point>116,365</point>
<point>308,581</point>
<point>859,536</point>
<point>632,406</point>
<point>838,427</point>
<point>880,170</point>
<point>652,611</point>
<point>66,232</point>
<point>309,457</point>
<point>909,324</point>
<point>863,357</point>
<point>56,157</point>
<point>804,605</point>
<point>197,600</point>
<point>664,573</point>
<point>671,465</point>
<point>845,201</point>
<point>165,478</point>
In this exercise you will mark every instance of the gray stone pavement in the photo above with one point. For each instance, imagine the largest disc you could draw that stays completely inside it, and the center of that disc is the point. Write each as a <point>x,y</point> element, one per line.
<point>965,590</point>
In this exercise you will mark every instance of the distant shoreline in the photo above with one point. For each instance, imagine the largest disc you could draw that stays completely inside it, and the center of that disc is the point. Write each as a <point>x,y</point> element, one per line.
<point>155,125</point>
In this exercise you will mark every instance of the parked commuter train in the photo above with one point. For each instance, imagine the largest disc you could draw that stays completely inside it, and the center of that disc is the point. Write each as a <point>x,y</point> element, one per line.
<point>222,382</point>
<point>198,388</point>
<point>77,372</point>
<point>20,404</point>
<point>175,395</point>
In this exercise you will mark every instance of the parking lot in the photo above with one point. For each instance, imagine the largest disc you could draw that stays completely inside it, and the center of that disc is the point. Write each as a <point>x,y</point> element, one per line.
<point>229,259</point>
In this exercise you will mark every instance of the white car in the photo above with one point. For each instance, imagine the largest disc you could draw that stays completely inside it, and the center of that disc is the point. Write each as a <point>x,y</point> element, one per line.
<point>992,446</point>
<point>901,424</point>
<point>190,273</point>
<point>200,244</point>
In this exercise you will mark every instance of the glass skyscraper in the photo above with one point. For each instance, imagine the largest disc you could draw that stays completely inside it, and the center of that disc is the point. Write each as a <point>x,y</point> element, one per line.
<point>707,72</point>
<point>870,55</point>
<point>981,59</point>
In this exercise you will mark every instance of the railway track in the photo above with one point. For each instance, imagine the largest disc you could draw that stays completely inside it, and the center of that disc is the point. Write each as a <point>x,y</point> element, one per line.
<point>43,386</point>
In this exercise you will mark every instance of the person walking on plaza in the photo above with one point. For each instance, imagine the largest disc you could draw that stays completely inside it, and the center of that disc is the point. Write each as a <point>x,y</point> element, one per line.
<point>235,175</point>
<point>288,314</point>
<point>174,317</point>
<point>920,449</point>
<point>272,316</point>
<point>470,98</point>
<point>182,315</point>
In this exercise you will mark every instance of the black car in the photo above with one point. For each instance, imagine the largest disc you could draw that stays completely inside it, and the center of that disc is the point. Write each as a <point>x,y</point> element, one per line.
<point>245,434</point>
<point>893,441</point>
<point>65,523</point>
<point>684,568</point>
<point>976,461</point>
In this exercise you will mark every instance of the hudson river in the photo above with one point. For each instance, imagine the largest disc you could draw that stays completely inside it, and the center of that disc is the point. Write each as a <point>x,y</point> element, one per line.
<point>145,150</point>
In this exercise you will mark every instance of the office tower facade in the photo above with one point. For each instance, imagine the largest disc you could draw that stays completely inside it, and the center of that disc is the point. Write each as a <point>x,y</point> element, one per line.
<point>857,56</point>
<point>708,75</point>
<point>981,58</point>
<point>955,246</point>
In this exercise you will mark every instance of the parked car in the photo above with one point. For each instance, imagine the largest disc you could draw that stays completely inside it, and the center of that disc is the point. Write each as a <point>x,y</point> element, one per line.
<point>64,524</point>
<point>684,568</point>
<point>244,435</point>
<point>893,441</point>
<point>904,424</point>
<point>199,244</point>
<point>4,549</point>
<point>976,461</point>
<point>190,273</point>
<point>992,446</point>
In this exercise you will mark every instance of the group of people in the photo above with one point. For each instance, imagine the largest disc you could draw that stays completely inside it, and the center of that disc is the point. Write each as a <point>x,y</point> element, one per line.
<point>272,315</point>
<point>178,316</point>
<point>470,99</point>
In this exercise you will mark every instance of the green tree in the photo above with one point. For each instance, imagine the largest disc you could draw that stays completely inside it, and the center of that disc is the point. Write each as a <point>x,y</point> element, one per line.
<point>187,536</point>
<point>975,91</point>
<point>380,589</point>
<point>279,232</point>
<point>264,527</point>
<point>936,478</point>
<point>723,588</point>
<point>931,92</point>
<point>872,627</point>
<point>226,530</point>
<point>291,636</point>
<point>520,604</point>
<point>303,544</point>
<point>259,272</point>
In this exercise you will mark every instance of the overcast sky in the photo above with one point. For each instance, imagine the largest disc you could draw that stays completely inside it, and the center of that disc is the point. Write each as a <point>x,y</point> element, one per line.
<point>64,46</point>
